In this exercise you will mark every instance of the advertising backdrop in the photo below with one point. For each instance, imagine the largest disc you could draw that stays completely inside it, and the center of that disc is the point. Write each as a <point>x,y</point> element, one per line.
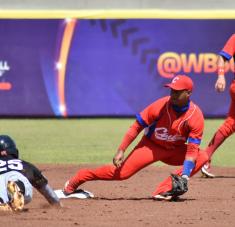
<point>108,67</point>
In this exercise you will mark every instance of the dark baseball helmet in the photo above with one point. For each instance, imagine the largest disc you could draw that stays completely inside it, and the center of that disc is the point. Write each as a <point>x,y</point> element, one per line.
<point>8,144</point>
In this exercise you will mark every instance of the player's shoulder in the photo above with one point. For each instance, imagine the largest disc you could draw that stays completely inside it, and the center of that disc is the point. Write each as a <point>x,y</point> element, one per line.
<point>29,167</point>
<point>194,105</point>
<point>196,110</point>
<point>158,105</point>
<point>34,174</point>
<point>233,36</point>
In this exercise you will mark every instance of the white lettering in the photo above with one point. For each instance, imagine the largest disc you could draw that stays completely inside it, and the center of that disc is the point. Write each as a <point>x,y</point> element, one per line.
<point>4,66</point>
<point>14,164</point>
<point>162,134</point>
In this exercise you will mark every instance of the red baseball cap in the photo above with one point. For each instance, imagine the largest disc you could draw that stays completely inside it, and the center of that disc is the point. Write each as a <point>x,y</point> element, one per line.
<point>181,82</point>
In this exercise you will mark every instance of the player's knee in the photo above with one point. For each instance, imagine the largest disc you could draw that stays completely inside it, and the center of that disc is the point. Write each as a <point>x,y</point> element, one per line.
<point>122,175</point>
<point>228,127</point>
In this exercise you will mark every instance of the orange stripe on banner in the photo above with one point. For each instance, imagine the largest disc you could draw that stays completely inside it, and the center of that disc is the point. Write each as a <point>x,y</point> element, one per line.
<point>65,46</point>
<point>5,86</point>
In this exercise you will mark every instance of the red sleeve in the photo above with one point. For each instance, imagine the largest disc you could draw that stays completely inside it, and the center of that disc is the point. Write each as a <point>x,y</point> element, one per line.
<point>130,135</point>
<point>229,49</point>
<point>151,112</point>
<point>196,127</point>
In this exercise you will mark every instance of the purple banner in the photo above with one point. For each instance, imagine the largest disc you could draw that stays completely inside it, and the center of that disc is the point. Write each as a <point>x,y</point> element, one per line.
<point>107,67</point>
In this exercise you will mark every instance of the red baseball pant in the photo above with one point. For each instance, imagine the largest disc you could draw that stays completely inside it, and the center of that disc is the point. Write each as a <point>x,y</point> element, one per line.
<point>144,154</point>
<point>227,128</point>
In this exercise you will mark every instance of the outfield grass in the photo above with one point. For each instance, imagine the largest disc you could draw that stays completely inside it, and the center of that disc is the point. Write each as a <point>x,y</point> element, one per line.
<point>87,140</point>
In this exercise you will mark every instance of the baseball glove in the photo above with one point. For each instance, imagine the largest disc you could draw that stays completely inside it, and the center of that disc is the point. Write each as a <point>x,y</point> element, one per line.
<point>179,185</point>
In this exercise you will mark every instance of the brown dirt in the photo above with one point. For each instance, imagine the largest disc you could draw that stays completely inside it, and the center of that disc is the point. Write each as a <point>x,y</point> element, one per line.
<point>209,202</point>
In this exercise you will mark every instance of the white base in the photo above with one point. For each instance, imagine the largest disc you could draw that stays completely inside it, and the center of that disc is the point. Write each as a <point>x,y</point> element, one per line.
<point>80,194</point>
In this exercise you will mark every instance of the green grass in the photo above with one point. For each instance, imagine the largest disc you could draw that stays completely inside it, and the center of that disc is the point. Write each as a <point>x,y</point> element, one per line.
<point>87,140</point>
<point>225,154</point>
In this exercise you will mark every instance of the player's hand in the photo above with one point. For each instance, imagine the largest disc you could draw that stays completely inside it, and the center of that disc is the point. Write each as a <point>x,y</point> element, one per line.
<point>118,158</point>
<point>220,84</point>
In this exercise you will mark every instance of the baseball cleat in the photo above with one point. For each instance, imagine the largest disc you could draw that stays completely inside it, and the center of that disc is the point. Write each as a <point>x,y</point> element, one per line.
<point>205,170</point>
<point>16,197</point>
<point>67,190</point>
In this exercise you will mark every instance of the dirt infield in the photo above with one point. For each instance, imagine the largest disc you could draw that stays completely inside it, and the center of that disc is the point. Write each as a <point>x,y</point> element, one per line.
<point>209,202</point>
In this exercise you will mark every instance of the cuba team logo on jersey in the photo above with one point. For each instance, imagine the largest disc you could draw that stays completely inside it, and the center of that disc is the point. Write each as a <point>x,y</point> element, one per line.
<point>162,134</point>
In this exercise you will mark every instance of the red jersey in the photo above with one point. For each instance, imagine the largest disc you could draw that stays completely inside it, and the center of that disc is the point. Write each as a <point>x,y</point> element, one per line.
<point>165,127</point>
<point>229,49</point>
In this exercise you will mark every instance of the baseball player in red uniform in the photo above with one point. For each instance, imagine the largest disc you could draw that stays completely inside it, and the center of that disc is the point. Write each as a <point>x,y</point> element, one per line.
<point>173,128</point>
<point>228,127</point>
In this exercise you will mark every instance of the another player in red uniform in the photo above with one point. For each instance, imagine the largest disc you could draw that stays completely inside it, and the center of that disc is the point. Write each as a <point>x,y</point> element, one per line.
<point>173,131</point>
<point>228,127</point>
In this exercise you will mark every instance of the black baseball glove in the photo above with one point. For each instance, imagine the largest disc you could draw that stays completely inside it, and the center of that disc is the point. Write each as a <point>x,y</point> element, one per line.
<point>179,185</point>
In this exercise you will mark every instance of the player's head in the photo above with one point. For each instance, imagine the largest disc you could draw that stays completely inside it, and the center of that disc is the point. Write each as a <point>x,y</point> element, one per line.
<point>8,145</point>
<point>181,89</point>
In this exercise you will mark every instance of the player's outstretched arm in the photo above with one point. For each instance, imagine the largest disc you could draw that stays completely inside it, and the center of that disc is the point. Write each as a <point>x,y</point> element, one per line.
<point>50,195</point>
<point>40,183</point>
<point>129,137</point>
<point>220,84</point>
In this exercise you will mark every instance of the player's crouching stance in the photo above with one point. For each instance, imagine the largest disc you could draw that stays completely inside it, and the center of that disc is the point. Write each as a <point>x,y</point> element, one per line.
<point>17,178</point>
<point>173,131</point>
